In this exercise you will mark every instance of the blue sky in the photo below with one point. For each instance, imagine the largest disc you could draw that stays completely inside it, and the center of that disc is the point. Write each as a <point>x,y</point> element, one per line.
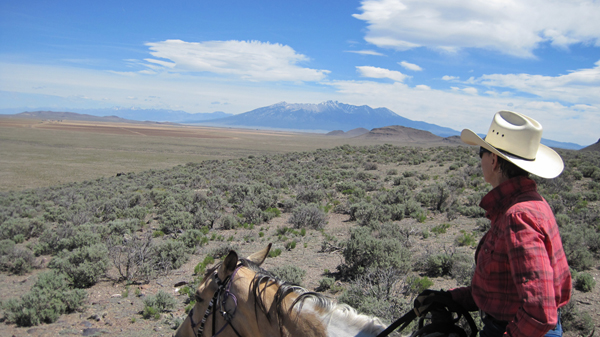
<point>452,63</point>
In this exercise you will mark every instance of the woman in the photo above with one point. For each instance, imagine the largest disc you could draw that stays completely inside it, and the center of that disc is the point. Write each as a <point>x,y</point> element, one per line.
<point>521,277</point>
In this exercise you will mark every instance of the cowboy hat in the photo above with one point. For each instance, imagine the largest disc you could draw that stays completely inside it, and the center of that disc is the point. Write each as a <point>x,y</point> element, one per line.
<point>516,138</point>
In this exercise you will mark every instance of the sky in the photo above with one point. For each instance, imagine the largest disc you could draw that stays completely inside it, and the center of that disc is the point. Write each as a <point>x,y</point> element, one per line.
<point>448,62</point>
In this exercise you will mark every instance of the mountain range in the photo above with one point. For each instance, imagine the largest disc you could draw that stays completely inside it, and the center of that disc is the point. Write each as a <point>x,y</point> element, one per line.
<point>326,116</point>
<point>133,114</point>
<point>337,118</point>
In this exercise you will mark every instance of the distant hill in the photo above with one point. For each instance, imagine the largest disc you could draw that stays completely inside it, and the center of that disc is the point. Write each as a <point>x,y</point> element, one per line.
<point>407,135</point>
<point>54,115</point>
<point>323,117</point>
<point>349,134</point>
<point>593,147</point>
<point>156,115</point>
<point>562,145</point>
<point>326,116</point>
<point>137,114</point>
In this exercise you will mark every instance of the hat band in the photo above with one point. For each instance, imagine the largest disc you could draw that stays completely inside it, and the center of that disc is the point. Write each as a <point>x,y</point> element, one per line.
<point>514,155</point>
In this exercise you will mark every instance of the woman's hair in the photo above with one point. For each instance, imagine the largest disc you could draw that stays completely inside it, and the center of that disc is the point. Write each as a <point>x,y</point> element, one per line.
<point>511,170</point>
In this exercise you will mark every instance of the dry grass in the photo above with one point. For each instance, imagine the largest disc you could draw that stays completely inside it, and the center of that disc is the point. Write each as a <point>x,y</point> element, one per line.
<point>44,153</point>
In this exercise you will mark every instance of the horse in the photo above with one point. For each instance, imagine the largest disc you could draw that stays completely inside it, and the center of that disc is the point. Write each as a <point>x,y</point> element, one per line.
<point>237,298</point>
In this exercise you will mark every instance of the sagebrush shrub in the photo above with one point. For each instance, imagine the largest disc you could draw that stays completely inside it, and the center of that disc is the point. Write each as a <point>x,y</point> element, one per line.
<point>251,213</point>
<point>310,194</point>
<point>222,250</point>
<point>84,266</point>
<point>483,224</point>
<point>21,226</point>
<point>162,301</point>
<point>119,227</point>
<point>155,305</point>
<point>377,293</point>
<point>229,221</point>
<point>438,265</point>
<point>370,166</point>
<point>66,236</point>
<point>173,220</point>
<point>462,270</point>
<point>193,238</point>
<point>310,216</point>
<point>132,258</point>
<point>576,321</point>
<point>367,214</point>
<point>326,283</point>
<point>14,259</point>
<point>578,255</point>
<point>416,285</point>
<point>584,282</point>
<point>48,298</point>
<point>364,251</point>
<point>290,274</point>
<point>466,239</point>
<point>168,255</point>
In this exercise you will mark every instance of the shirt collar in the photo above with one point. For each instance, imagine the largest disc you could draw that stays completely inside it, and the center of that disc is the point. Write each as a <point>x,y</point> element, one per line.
<point>502,197</point>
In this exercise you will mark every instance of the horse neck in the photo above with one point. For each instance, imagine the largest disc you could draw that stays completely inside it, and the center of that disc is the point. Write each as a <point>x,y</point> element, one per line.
<point>311,317</point>
<point>282,322</point>
<point>341,320</point>
<point>322,317</point>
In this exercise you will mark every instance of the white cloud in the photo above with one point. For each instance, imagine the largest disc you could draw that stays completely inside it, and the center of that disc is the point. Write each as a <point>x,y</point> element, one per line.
<point>365,52</point>
<point>248,60</point>
<point>457,109</point>
<point>375,72</point>
<point>470,90</point>
<point>449,78</point>
<point>161,63</point>
<point>27,85</point>
<point>410,66</point>
<point>509,27</point>
<point>578,86</point>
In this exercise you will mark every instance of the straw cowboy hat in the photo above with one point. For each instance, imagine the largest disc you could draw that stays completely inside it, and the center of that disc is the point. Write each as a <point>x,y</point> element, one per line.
<point>516,138</point>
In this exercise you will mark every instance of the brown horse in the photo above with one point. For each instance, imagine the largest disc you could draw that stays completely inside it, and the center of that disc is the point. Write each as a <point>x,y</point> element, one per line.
<point>239,299</point>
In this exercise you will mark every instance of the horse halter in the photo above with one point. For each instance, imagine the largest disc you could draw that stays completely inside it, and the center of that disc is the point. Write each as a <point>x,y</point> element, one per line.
<point>217,303</point>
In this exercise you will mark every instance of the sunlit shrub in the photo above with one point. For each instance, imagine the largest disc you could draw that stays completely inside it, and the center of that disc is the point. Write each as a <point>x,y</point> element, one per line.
<point>161,302</point>
<point>363,251</point>
<point>289,273</point>
<point>584,282</point>
<point>309,216</point>
<point>84,266</point>
<point>48,298</point>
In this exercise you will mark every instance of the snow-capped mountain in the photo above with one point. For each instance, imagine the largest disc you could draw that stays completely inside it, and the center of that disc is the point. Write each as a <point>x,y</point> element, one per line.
<point>326,116</point>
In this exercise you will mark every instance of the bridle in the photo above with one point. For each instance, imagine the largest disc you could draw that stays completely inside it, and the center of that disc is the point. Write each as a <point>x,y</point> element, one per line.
<point>217,303</point>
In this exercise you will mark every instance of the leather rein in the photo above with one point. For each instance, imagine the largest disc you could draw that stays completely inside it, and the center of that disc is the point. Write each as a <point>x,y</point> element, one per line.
<point>217,303</point>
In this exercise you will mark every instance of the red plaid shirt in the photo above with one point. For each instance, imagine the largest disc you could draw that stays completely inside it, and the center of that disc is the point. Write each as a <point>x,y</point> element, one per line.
<point>521,274</point>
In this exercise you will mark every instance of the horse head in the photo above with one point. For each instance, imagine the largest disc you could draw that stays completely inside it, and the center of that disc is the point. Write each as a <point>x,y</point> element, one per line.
<point>237,298</point>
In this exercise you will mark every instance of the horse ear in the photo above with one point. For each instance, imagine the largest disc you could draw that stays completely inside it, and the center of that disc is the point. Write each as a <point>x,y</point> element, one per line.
<point>230,262</point>
<point>259,257</point>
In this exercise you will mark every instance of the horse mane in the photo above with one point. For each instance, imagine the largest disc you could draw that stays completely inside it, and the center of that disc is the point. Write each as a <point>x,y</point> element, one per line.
<point>263,279</point>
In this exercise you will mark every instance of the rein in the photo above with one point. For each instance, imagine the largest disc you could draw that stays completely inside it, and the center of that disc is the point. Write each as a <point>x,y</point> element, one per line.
<point>450,307</point>
<point>217,303</point>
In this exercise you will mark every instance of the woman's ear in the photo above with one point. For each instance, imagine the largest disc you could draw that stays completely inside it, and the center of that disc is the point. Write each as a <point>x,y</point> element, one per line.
<point>495,162</point>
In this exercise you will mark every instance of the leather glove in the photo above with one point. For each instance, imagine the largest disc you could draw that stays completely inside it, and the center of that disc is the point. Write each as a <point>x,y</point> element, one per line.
<point>429,299</point>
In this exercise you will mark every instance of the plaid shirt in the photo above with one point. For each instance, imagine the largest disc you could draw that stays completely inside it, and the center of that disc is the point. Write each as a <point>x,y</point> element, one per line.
<point>521,274</point>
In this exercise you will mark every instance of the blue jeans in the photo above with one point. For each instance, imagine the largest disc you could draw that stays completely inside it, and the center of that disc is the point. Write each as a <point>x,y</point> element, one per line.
<point>495,328</point>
